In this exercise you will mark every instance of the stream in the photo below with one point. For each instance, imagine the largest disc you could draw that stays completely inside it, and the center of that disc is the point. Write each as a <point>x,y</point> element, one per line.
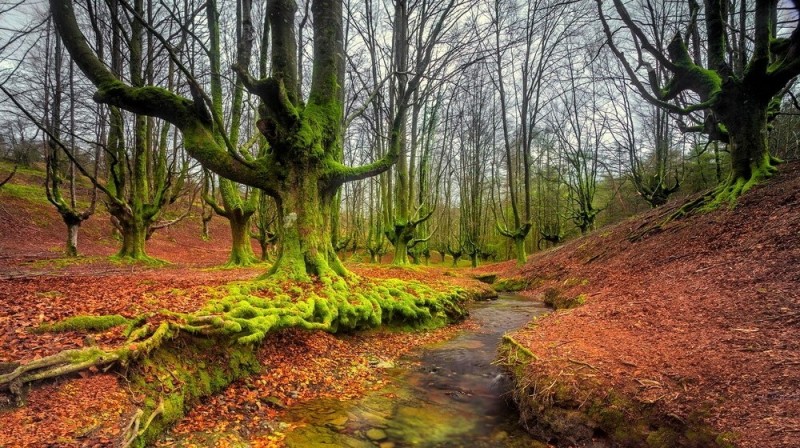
<point>445,395</point>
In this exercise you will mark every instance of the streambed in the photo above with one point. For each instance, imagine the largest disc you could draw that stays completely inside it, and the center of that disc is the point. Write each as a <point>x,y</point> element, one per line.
<point>445,395</point>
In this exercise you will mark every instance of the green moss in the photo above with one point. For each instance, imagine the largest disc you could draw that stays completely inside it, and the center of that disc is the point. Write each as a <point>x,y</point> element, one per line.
<point>182,371</point>
<point>332,307</point>
<point>662,438</point>
<point>487,278</point>
<point>60,263</point>
<point>553,297</point>
<point>726,440</point>
<point>142,259</point>
<point>191,355</point>
<point>31,193</point>
<point>575,281</point>
<point>729,192</point>
<point>81,356</point>
<point>85,323</point>
<point>514,284</point>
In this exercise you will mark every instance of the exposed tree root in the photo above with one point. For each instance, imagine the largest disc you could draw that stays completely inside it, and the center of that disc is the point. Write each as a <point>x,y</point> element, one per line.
<point>243,314</point>
<point>132,432</point>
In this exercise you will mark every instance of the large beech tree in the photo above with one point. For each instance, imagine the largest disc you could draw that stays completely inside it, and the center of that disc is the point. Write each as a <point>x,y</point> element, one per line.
<point>302,170</point>
<point>728,60</point>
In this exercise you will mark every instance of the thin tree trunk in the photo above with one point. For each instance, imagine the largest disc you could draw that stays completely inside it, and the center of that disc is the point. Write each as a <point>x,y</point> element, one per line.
<point>72,239</point>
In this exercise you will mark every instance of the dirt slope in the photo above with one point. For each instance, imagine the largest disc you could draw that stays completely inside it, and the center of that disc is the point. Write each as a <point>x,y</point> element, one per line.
<point>701,318</point>
<point>31,230</point>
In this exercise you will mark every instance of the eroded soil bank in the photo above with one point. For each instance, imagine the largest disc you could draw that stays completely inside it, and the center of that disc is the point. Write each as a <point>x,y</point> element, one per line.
<point>688,334</point>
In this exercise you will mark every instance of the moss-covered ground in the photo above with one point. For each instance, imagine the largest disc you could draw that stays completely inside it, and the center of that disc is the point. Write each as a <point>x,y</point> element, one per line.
<point>172,358</point>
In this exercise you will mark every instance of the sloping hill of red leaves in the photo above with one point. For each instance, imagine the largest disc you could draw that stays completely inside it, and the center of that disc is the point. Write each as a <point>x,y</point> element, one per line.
<point>702,317</point>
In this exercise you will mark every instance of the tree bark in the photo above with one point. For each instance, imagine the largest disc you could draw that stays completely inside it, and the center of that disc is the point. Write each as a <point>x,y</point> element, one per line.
<point>304,218</point>
<point>519,249</point>
<point>750,158</point>
<point>72,238</point>
<point>134,235</point>
<point>241,250</point>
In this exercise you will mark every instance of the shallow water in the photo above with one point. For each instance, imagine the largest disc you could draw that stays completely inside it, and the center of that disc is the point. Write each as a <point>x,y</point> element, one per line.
<point>445,395</point>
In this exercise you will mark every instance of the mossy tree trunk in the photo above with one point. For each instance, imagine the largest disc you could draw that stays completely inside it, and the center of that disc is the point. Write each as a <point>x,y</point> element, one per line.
<point>745,116</point>
<point>300,170</point>
<point>237,211</point>
<point>739,87</point>
<point>264,220</point>
<point>134,236</point>
<point>519,249</point>
<point>455,252</point>
<point>304,218</point>
<point>400,227</point>
<point>241,250</point>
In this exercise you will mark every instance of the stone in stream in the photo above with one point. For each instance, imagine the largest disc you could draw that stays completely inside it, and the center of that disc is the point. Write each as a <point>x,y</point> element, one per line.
<point>316,437</point>
<point>376,434</point>
<point>338,422</point>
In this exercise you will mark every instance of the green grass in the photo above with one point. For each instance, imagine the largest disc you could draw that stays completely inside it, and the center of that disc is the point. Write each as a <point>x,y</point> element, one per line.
<point>31,193</point>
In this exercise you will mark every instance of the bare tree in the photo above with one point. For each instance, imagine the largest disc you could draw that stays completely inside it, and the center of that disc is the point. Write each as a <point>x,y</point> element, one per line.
<point>67,206</point>
<point>728,65</point>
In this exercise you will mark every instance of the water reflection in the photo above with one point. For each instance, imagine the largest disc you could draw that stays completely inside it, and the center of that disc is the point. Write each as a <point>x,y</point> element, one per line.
<point>447,395</point>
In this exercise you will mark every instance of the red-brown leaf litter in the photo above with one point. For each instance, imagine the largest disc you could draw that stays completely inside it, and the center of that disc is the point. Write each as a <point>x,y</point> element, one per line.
<point>700,318</point>
<point>38,286</point>
<point>703,315</point>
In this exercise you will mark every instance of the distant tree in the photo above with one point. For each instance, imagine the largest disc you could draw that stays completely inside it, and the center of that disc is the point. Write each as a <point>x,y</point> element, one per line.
<point>402,217</point>
<point>730,61</point>
<point>145,172</point>
<point>784,136</point>
<point>9,177</point>
<point>65,203</point>
<point>263,224</point>
<point>650,160</point>
<point>580,139</point>
<point>232,204</point>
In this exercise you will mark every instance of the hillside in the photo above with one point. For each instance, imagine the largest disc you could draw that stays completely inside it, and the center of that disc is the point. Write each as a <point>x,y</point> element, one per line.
<point>32,230</point>
<point>695,325</point>
<point>688,335</point>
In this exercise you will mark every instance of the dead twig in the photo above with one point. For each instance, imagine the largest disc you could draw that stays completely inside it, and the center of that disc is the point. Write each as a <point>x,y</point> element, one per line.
<point>581,363</point>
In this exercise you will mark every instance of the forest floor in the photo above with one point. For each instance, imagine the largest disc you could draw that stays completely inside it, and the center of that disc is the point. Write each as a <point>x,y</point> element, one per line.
<point>700,319</point>
<point>703,315</point>
<point>38,285</point>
